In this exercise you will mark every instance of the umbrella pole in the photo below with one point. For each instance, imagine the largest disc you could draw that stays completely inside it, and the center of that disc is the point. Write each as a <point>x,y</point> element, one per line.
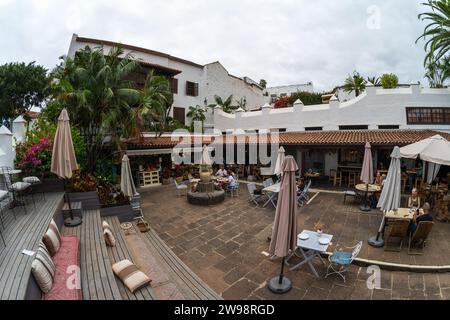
<point>376,241</point>
<point>71,221</point>
<point>280,284</point>
<point>365,207</point>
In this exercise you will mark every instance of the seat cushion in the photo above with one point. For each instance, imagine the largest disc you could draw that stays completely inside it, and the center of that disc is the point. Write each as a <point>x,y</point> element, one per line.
<point>342,258</point>
<point>31,180</point>
<point>67,262</point>
<point>43,269</point>
<point>3,194</point>
<point>20,186</point>
<point>109,237</point>
<point>130,275</point>
<point>52,239</point>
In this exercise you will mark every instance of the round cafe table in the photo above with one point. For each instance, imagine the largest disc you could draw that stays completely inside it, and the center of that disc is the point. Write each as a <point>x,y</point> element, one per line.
<point>367,189</point>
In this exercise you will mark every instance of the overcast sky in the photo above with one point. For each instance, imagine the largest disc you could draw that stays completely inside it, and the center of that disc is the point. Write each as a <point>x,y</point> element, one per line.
<point>282,41</point>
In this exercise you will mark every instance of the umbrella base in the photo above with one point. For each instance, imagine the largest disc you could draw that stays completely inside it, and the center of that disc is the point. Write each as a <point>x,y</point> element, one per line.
<point>376,243</point>
<point>275,286</point>
<point>72,222</point>
<point>365,208</point>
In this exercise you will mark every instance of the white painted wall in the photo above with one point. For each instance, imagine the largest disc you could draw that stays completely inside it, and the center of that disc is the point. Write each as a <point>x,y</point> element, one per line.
<point>289,89</point>
<point>6,145</point>
<point>212,78</point>
<point>331,161</point>
<point>374,107</point>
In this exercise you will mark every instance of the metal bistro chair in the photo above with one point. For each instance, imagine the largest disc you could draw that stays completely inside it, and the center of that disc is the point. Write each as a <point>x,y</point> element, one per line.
<point>35,183</point>
<point>18,190</point>
<point>340,261</point>
<point>253,196</point>
<point>303,198</point>
<point>181,188</point>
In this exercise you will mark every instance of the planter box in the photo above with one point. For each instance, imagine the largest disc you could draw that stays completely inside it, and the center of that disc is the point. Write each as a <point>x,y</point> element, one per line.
<point>89,200</point>
<point>124,213</point>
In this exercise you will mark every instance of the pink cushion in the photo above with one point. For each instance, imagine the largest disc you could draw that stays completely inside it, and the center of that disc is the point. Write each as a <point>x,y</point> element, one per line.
<point>68,255</point>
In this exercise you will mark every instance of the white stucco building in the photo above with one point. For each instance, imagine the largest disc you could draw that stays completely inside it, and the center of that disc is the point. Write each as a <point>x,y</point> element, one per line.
<point>192,83</point>
<point>403,108</point>
<point>285,91</point>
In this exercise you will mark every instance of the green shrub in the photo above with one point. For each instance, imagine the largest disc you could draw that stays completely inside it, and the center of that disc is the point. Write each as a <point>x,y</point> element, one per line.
<point>389,81</point>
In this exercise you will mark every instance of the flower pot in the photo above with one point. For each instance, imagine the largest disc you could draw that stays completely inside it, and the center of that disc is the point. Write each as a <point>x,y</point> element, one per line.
<point>205,177</point>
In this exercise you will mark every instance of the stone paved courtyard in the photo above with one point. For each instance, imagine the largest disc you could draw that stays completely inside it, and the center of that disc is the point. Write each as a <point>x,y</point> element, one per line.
<point>223,245</point>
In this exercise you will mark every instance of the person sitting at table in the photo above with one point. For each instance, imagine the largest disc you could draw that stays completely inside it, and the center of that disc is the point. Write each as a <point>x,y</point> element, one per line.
<point>222,172</point>
<point>422,214</point>
<point>300,186</point>
<point>414,199</point>
<point>378,179</point>
<point>231,181</point>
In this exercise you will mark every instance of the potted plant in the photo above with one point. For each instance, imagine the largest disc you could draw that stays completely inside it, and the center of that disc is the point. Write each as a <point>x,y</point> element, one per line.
<point>205,173</point>
<point>165,176</point>
<point>319,228</point>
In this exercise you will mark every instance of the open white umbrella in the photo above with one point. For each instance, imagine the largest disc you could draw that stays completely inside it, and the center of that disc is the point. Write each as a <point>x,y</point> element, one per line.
<point>391,194</point>
<point>126,180</point>
<point>279,164</point>
<point>435,149</point>
<point>64,161</point>
<point>367,173</point>
<point>206,159</point>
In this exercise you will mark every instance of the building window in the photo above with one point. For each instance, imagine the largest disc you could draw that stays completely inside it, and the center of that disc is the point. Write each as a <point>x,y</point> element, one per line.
<point>313,128</point>
<point>278,130</point>
<point>388,127</point>
<point>174,85</point>
<point>362,127</point>
<point>191,89</point>
<point>428,115</point>
<point>179,114</point>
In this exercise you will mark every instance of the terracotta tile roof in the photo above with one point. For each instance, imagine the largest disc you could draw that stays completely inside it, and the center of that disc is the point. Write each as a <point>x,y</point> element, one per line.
<point>316,138</point>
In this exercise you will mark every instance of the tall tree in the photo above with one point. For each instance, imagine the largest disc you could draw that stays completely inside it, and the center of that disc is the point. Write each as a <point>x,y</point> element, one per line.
<point>101,102</point>
<point>22,86</point>
<point>263,83</point>
<point>439,72</point>
<point>437,32</point>
<point>196,113</point>
<point>355,83</point>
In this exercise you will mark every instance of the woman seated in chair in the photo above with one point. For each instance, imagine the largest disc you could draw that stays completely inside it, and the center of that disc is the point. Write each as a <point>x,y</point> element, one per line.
<point>414,199</point>
<point>422,214</point>
<point>222,172</point>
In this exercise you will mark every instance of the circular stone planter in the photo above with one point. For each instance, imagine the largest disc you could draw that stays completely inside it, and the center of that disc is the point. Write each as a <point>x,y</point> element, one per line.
<point>206,198</point>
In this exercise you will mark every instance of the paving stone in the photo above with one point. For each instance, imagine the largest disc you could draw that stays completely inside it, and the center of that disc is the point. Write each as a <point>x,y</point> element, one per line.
<point>314,293</point>
<point>432,284</point>
<point>380,294</point>
<point>240,290</point>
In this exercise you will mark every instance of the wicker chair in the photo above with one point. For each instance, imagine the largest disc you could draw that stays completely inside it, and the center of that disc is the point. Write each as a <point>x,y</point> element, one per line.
<point>398,230</point>
<point>420,236</point>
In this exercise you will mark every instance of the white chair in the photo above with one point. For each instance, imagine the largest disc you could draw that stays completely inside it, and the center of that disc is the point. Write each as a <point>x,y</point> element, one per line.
<point>181,188</point>
<point>340,261</point>
<point>251,190</point>
<point>303,198</point>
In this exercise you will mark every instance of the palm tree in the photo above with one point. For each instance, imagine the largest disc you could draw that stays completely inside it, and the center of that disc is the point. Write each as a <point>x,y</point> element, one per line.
<point>101,101</point>
<point>438,72</point>
<point>196,113</point>
<point>373,80</point>
<point>437,32</point>
<point>226,105</point>
<point>355,83</point>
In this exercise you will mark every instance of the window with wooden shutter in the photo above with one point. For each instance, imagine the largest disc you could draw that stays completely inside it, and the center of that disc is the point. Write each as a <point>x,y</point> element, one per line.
<point>191,89</point>
<point>174,85</point>
<point>179,114</point>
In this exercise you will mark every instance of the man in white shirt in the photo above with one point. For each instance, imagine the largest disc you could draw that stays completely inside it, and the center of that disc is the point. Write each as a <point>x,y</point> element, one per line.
<point>221,172</point>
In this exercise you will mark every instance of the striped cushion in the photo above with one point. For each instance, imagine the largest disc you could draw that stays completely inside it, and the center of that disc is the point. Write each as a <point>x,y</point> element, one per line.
<point>43,268</point>
<point>109,237</point>
<point>130,275</point>
<point>52,238</point>
<point>105,225</point>
<point>31,180</point>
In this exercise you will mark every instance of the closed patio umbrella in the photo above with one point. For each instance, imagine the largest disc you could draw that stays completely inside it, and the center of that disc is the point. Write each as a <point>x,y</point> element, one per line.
<point>390,196</point>
<point>126,180</point>
<point>367,173</point>
<point>284,233</point>
<point>279,164</point>
<point>64,161</point>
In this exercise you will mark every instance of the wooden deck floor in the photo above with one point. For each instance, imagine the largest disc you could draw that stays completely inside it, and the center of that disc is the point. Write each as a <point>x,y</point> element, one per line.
<point>21,233</point>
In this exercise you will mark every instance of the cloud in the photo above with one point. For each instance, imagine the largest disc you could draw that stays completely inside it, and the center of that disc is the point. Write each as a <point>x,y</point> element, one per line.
<point>283,41</point>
